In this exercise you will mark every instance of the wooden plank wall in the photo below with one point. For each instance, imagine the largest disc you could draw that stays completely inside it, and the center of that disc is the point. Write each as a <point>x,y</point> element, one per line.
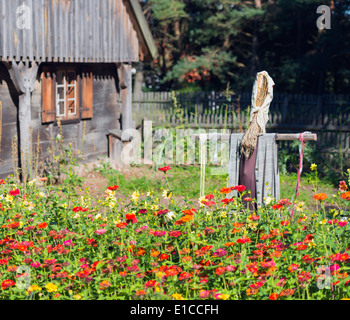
<point>68,31</point>
<point>107,108</point>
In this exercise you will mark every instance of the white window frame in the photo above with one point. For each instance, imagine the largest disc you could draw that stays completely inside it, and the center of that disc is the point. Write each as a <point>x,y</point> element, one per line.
<point>65,101</point>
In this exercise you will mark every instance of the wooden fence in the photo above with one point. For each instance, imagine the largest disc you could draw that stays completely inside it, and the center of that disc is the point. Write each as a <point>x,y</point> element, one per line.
<point>326,115</point>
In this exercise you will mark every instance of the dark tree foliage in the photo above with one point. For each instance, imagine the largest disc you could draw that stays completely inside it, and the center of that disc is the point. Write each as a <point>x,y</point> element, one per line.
<point>205,44</point>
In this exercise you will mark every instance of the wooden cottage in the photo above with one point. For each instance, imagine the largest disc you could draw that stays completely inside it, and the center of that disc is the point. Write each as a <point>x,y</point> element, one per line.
<point>69,60</point>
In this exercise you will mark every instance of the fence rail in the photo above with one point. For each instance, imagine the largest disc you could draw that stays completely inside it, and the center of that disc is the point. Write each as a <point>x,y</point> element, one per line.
<point>327,115</point>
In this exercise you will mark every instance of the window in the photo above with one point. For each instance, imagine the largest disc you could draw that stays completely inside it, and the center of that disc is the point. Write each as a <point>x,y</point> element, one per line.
<point>66,94</point>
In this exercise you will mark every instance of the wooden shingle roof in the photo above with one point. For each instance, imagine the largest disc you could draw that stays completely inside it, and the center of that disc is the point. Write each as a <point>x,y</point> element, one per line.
<point>74,31</point>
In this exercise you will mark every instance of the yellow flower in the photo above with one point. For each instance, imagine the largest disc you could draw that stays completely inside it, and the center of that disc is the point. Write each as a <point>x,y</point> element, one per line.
<point>312,244</point>
<point>178,296</point>
<point>50,287</point>
<point>98,216</point>
<point>70,291</point>
<point>160,274</point>
<point>135,196</point>
<point>324,221</point>
<point>313,167</point>
<point>77,296</point>
<point>252,226</point>
<point>157,289</point>
<point>34,287</point>
<point>223,296</point>
<point>154,207</point>
<point>224,214</point>
<point>9,198</point>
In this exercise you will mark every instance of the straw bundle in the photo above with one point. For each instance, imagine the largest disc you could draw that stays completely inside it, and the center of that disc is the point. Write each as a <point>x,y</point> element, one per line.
<point>250,138</point>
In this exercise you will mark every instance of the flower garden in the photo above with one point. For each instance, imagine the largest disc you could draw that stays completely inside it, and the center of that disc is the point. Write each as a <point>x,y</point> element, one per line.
<point>61,244</point>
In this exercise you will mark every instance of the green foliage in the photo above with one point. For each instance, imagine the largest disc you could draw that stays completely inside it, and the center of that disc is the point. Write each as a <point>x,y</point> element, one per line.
<point>205,44</point>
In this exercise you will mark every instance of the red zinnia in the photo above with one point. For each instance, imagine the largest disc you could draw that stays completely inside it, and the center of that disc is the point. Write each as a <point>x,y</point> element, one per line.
<point>112,188</point>
<point>239,188</point>
<point>164,169</point>
<point>42,225</point>
<point>14,192</point>
<point>121,225</point>
<point>7,284</point>
<point>273,296</point>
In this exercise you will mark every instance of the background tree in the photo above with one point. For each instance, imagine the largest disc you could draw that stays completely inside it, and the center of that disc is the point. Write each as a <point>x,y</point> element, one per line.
<point>204,44</point>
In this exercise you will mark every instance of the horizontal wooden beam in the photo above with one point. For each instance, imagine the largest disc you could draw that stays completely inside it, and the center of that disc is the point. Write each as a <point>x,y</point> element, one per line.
<point>280,136</point>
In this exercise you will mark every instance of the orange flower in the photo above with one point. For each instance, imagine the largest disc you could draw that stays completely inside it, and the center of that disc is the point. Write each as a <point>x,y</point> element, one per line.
<point>320,196</point>
<point>154,253</point>
<point>346,195</point>
<point>187,218</point>
<point>251,291</point>
<point>189,211</point>
<point>273,296</point>
<point>225,190</point>
<point>187,259</point>
<point>42,225</point>
<point>105,284</point>
<point>229,244</point>
<point>238,225</point>
<point>141,252</point>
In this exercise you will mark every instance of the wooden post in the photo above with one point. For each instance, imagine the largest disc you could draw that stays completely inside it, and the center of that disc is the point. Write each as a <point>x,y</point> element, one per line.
<point>23,79</point>
<point>125,84</point>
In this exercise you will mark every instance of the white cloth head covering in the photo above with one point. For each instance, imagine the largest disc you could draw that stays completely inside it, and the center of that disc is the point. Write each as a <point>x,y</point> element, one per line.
<point>263,111</point>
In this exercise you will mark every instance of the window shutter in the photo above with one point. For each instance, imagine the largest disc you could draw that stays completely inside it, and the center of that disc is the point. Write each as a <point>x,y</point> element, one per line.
<point>86,84</point>
<point>48,95</point>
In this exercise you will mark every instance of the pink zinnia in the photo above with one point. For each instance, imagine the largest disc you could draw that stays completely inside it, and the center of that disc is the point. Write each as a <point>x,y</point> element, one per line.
<point>209,203</point>
<point>220,253</point>
<point>230,268</point>
<point>35,264</point>
<point>204,294</point>
<point>342,223</point>
<point>159,233</point>
<point>100,231</point>
<point>67,243</point>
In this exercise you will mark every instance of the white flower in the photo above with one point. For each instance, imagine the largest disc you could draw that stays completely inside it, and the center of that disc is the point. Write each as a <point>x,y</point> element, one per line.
<point>98,216</point>
<point>201,201</point>
<point>170,215</point>
<point>268,200</point>
<point>31,182</point>
<point>166,195</point>
<point>149,193</point>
